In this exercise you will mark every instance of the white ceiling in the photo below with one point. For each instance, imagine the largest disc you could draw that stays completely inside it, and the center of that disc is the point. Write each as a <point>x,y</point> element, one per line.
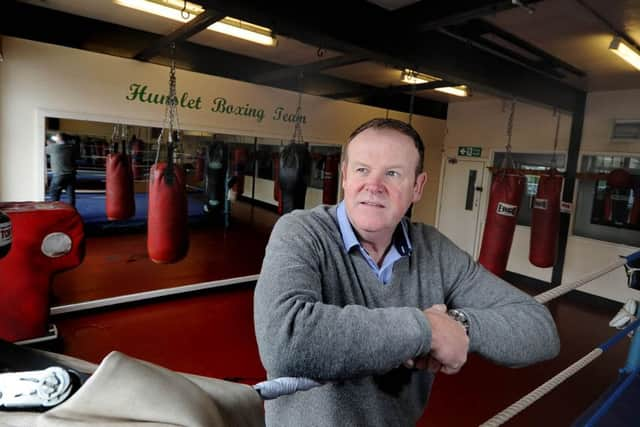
<point>563,28</point>
<point>569,31</point>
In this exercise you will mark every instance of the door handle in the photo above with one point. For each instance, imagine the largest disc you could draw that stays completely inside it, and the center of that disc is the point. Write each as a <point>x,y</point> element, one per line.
<point>479,189</point>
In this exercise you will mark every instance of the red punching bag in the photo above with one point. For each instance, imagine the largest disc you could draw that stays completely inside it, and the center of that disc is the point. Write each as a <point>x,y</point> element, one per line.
<point>545,221</point>
<point>238,165</point>
<point>120,199</point>
<point>5,234</point>
<point>619,181</point>
<point>330,179</point>
<point>48,237</point>
<point>167,236</point>
<point>506,193</point>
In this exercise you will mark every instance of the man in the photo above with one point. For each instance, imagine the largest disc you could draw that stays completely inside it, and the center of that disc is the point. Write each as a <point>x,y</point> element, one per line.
<point>62,155</point>
<point>355,295</point>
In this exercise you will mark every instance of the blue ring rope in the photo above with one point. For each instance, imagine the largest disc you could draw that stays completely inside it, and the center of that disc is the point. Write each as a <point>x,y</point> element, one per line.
<point>617,337</point>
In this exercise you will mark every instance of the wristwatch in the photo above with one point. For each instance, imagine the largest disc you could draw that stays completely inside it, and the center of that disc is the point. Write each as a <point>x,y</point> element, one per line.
<point>461,317</point>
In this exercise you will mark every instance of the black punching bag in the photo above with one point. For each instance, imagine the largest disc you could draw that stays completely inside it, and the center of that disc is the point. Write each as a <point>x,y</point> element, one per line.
<point>295,163</point>
<point>5,234</point>
<point>214,184</point>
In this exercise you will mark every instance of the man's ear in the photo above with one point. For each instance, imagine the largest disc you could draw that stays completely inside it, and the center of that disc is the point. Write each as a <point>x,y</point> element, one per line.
<point>418,187</point>
<point>343,172</point>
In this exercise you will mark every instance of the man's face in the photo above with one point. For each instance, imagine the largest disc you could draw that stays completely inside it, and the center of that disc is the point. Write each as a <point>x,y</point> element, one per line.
<point>379,180</point>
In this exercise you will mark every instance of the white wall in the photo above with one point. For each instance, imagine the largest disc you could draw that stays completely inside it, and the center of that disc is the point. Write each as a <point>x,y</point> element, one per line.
<point>39,80</point>
<point>483,123</point>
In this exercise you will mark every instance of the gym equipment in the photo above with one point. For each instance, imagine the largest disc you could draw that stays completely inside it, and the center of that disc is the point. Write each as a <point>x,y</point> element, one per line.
<point>506,193</point>
<point>330,179</point>
<point>504,201</point>
<point>294,166</point>
<point>5,235</point>
<point>616,199</point>
<point>545,220</point>
<point>119,197</point>
<point>295,163</point>
<point>623,320</point>
<point>48,237</point>
<point>167,233</point>
<point>238,166</point>
<point>214,179</point>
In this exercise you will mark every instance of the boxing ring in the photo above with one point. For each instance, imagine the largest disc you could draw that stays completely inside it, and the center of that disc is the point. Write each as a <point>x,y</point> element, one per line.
<point>616,407</point>
<point>610,409</point>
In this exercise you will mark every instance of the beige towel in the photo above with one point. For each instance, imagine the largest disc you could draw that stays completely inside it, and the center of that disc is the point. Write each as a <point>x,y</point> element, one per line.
<point>124,391</point>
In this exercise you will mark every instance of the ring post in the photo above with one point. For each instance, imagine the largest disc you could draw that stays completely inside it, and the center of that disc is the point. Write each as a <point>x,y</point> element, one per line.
<point>633,358</point>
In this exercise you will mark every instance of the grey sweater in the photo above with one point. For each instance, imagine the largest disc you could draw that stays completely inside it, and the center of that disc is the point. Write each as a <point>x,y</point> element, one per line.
<point>321,313</point>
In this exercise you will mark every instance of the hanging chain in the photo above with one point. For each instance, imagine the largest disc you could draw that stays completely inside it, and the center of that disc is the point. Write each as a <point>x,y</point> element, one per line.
<point>508,159</point>
<point>116,131</point>
<point>510,126</point>
<point>297,130</point>
<point>411,101</point>
<point>171,109</point>
<point>555,142</point>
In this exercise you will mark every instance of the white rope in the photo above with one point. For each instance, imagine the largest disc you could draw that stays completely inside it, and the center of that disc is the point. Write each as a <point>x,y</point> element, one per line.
<point>563,289</point>
<point>545,388</point>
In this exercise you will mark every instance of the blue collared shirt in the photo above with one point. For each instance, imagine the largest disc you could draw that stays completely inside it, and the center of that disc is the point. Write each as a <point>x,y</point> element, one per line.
<point>401,245</point>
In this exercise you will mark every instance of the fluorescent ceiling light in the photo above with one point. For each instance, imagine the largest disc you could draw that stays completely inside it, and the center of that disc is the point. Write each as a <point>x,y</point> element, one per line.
<point>624,51</point>
<point>173,9</point>
<point>413,77</point>
<point>244,30</point>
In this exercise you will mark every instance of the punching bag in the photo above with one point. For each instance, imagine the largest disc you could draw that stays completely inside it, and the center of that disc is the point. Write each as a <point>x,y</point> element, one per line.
<point>200,165</point>
<point>167,235</point>
<point>119,198</point>
<point>295,162</point>
<point>545,221</point>
<point>48,237</point>
<point>506,193</point>
<point>330,179</point>
<point>275,159</point>
<point>5,234</point>
<point>616,198</point>
<point>238,164</point>
<point>214,179</point>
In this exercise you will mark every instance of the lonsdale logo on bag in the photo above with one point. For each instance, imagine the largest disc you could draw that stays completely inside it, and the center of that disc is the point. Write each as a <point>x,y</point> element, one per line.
<point>5,234</point>
<point>540,204</point>
<point>506,209</point>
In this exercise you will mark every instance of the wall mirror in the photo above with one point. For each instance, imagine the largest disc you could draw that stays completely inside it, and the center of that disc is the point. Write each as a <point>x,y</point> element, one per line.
<point>232,206</point>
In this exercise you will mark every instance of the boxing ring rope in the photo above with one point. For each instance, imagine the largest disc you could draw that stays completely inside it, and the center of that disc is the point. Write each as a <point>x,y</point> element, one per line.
<point>545,388</point>
<point>552,383</point>
<point>547,296</point>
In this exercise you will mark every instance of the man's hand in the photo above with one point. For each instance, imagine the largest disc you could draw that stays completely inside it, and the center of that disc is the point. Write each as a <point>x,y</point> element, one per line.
<point>449,340</point>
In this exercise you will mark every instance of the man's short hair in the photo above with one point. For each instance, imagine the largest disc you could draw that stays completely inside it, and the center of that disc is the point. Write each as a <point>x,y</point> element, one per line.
<point>397,125</point>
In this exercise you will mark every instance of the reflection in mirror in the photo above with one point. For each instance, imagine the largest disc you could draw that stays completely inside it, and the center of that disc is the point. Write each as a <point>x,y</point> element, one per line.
<point>232,197</point>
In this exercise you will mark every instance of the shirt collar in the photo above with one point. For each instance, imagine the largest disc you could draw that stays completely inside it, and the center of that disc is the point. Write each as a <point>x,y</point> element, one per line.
<point>400,237</point>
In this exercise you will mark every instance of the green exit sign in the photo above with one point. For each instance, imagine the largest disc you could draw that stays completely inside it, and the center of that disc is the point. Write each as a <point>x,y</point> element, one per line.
<point>470,151</point>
